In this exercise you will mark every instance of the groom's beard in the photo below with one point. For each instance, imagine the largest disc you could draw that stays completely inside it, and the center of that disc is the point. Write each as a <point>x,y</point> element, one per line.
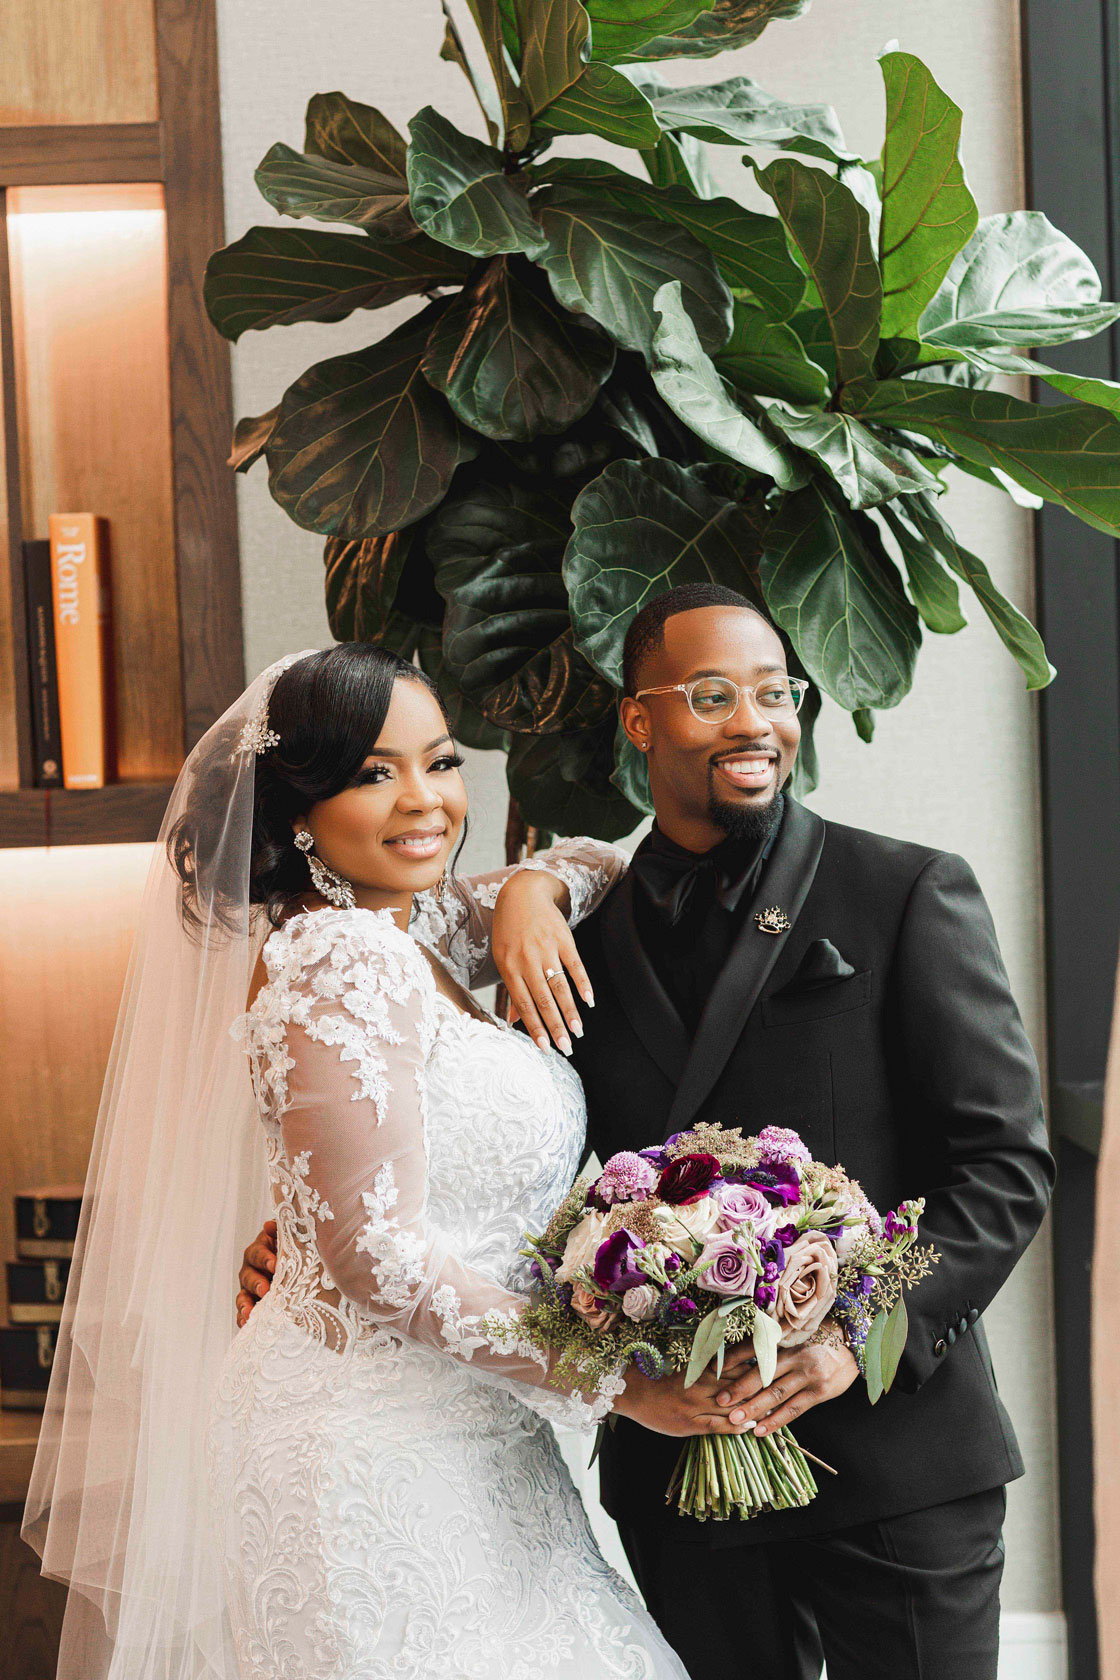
<point>753,823</point>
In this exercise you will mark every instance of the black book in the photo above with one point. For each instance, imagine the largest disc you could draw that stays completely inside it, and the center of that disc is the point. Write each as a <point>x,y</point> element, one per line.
<point>46,734</point>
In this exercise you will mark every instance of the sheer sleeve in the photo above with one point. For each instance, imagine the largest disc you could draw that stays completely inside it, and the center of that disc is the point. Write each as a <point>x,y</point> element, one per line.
<point>359,1027</point>
<point>456,923</point>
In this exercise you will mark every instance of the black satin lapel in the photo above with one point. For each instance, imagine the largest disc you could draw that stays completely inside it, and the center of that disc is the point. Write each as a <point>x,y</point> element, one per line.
<point>785,883</point>
<point>644,1000</point>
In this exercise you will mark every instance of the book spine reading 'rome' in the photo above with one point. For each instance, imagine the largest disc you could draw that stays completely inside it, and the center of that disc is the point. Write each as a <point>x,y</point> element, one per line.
<point>80,578</point>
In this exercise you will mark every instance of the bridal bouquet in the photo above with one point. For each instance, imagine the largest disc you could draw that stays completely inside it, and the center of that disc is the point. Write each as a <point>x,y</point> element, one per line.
<point>675,1253</point>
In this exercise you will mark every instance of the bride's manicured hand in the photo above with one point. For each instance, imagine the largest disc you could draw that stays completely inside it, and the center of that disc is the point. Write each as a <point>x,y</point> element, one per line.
<point>532,945</point>
<point>803,1378</point>
<point>257,1266</point>
<point>669,1408</point>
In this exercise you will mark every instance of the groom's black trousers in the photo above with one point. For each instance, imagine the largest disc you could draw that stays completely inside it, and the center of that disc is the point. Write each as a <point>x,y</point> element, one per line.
<point>914,1597</point>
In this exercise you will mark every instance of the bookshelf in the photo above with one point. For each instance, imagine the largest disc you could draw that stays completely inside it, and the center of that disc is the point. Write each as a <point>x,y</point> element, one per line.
<point>114,398</point>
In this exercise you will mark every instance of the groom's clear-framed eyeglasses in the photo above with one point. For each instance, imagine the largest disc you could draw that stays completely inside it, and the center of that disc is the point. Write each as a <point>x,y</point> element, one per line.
<point>715,699</point>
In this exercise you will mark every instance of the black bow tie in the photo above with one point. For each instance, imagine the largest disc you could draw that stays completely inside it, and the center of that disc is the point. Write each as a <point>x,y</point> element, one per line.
<point>672,878</point>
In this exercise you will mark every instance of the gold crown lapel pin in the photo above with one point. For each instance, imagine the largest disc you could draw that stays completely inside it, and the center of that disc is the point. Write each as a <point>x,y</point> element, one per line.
<point>773,920</point>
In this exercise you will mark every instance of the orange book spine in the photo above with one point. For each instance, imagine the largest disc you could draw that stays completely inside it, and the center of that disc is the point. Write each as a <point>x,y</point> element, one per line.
<point>80,582</point>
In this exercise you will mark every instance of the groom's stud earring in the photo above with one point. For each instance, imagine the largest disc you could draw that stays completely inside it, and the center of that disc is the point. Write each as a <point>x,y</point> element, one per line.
<point>335,888</point>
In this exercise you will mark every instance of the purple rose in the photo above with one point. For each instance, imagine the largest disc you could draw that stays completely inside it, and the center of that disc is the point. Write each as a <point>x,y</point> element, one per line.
<point>614,1269</point>
<point>741,1204</point>
<point>687,1179</point>
<point>726,1269</point>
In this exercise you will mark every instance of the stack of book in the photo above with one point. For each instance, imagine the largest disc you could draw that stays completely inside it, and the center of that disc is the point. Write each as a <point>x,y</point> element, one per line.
<point>69,653</point>
<point>46,1226</point>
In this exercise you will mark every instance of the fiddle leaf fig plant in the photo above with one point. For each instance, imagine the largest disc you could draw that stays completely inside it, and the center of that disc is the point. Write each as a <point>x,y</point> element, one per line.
<point>617,379</point>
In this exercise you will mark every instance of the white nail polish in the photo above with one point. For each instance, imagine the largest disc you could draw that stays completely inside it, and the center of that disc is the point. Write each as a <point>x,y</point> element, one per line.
<point>577,1028</point>
<point>566,1046</point>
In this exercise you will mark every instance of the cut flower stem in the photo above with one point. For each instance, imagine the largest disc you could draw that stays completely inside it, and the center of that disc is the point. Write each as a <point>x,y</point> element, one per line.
<point>721,1476</point>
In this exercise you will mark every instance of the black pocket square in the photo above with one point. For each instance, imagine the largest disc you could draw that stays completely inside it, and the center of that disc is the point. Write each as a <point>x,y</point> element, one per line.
<point>820,966</point>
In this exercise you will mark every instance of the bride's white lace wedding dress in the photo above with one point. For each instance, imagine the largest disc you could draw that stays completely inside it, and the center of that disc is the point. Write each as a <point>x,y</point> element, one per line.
<point>391,1501</point>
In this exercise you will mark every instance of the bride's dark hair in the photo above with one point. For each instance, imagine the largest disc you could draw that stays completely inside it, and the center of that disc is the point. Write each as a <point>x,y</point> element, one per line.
<point>328,710</point>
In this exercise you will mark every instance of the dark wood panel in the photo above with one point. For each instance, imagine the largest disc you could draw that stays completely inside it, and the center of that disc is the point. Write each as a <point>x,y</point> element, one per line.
<point>39,156</point>
<point>31,1608</point>
<point>201,402</point>
<point>124,811</point>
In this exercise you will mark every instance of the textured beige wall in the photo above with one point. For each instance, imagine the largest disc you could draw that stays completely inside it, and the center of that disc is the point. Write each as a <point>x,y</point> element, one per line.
<point>955,766</point>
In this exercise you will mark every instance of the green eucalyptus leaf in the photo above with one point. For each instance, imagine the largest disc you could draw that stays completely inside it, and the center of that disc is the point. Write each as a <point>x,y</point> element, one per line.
<point>832,587</point>
<point>346,131</point>
<point>562,783</point>
<point>690,383</point>
<point>512,362</point>
<point>932,590</point>
<point>893,1344</point>
<point>766,1336</point>
<point>639,529</point>
<point>274,276</point>
<point>706,1342</point>
<point>830,229</point>
<point>766,358</point>
<point>460,193</point>
<point>364,445</point>
<point>249,438</point>
<point>873,1358</point>
<point>620,28</point>
<point>750,248</point>
<point>604,103</point>
<point>631,773</point>
<point>507,636</point>
<point>1015,631</point>
<point>468,725</point>
<point>728,24</point>
<point>740,113</point>
<point>303,184</point>
<point>1018,283</point>
<point>555,43</point>
<point>496,22</point>
<point>1067,453</point>
<point>867,469</point>
<point>609,263</point>
<point>928,211</point>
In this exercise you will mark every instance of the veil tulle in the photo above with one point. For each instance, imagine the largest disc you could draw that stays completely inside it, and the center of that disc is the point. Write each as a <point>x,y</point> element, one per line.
<point>118,1505</point>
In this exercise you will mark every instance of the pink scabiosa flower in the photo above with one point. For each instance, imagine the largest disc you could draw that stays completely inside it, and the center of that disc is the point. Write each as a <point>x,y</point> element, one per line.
<point>778,1143</point>
<point>627,1177</point>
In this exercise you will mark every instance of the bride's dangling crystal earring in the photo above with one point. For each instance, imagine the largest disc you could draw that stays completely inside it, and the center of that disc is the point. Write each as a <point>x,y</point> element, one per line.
<point>335,888</point>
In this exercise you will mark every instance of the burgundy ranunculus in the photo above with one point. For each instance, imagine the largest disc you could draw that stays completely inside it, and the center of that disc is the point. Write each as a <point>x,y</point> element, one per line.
<point>614,1269</point>
<point>779,1183</point>
<point>687,1179</point>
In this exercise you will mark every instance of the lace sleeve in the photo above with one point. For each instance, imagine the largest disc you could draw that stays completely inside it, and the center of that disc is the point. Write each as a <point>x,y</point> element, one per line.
<point>456,925</point>
<point>359,1030</point>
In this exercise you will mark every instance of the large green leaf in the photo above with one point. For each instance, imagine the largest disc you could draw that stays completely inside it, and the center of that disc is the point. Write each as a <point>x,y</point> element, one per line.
<point>555,42</point>
<point>468,725</point>
<point>562,783</point>
<point>621,28</point>
<point>364,445</point>
<point>767,359</point>
<point>829,227</point>
<point>728,24</point>
<point>928,211</point>
<point>303,184</point>
<point>830,584</point>
<point>496,24</point>
<point>639,529</point>
<point>603,102</point>
<point>609,263</point>
<point>750,248</point>
<point>867,468</point>
<point>740,113</point>
<point>932,590</point>
<point>1067,453</point>
<point>361,583</point>
<point>271,277</point>
<point>688,380</point>
<point>507,636</point>
<point>1018,283</point>
<point>512,362</point>
<point>460,194</point>
<point>348,132</point>
<point>631,772</point>
<point>249,438</point>
<point>1105,393</point>
<point>680,161</point>
<point>1016,632</point>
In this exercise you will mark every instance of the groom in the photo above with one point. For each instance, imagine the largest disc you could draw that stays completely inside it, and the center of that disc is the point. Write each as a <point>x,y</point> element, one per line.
<point>873,1015</point>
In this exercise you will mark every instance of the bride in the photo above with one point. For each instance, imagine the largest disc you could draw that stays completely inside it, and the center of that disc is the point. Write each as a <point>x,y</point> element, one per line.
<point>361,1481</point>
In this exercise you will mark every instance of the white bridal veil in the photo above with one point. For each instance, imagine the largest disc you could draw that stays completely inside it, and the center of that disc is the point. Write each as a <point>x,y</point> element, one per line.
<point>118,1506</point>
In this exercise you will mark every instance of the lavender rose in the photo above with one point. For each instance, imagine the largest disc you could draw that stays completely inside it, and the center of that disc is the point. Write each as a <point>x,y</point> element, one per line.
<point>728,1270</point>
<point>742,1204</point>
<point>806,1289</point>
<point>641,1302</point>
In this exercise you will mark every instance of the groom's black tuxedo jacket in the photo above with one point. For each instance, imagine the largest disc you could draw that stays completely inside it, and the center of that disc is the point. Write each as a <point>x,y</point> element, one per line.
<point>881,1027</point>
